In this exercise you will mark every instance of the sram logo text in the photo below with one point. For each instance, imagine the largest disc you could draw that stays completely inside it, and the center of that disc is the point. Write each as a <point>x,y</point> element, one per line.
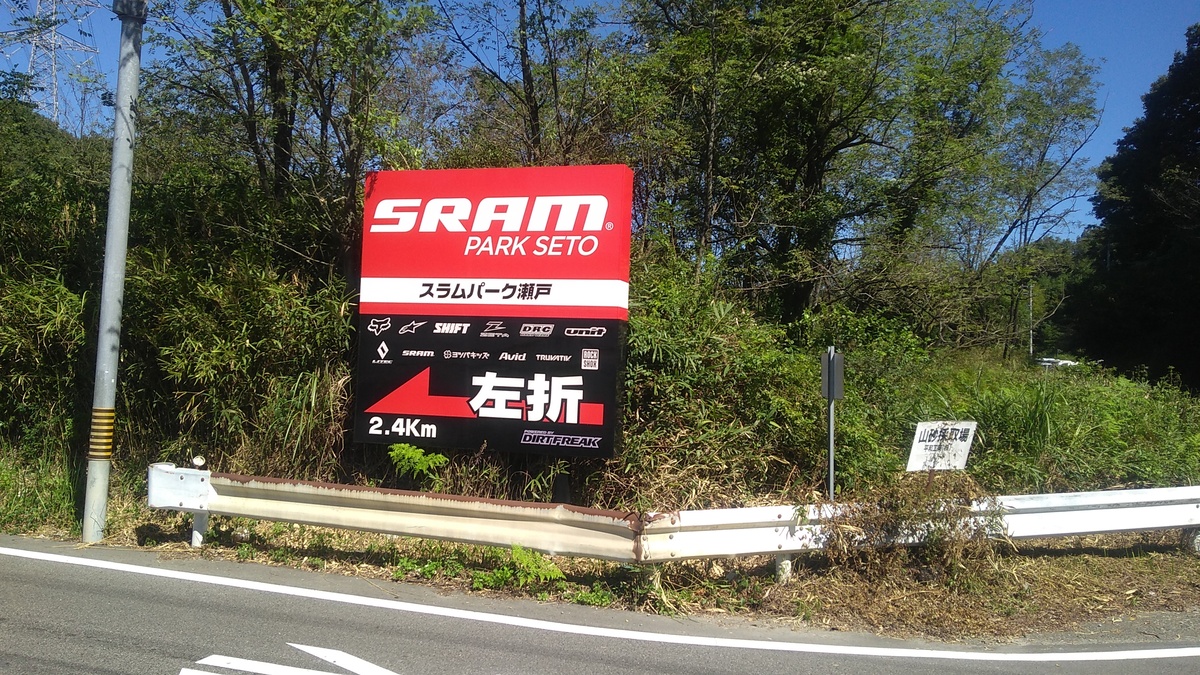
<point>561,213</point>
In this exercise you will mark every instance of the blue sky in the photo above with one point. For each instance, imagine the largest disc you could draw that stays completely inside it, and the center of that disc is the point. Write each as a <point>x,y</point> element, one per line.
<point>1136,40</point>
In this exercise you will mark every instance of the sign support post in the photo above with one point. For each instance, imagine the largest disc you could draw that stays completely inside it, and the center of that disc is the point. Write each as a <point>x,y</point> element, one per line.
<point>104,393</point>
<point>833,367</point>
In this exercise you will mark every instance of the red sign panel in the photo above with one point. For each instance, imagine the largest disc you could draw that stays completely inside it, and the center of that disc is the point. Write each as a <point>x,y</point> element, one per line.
<point>493,308</point>
<point>524,242</point>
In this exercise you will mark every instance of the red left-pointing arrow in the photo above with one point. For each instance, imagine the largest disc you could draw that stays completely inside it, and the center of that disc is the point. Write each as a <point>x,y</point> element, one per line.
<point>413,398</point>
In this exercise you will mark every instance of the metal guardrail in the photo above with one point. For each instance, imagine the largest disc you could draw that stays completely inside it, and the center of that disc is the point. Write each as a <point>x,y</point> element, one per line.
<point>561,529</point>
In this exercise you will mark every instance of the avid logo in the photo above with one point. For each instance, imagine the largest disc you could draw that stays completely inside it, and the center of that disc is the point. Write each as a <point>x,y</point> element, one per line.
<point>451,328</point>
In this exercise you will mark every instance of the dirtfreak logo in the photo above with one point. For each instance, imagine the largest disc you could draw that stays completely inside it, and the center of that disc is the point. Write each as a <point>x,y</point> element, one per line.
<point>530,437</point>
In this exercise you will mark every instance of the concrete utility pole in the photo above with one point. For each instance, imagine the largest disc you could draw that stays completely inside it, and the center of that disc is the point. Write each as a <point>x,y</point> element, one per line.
<point>104,394</point>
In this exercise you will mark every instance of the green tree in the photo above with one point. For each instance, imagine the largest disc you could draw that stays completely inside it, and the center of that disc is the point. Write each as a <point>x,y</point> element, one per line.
<point>534,83</point>
<point>1138,306</point>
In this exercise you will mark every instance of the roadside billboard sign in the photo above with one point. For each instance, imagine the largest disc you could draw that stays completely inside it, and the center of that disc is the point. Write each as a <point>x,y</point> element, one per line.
<point>941,446</point>
<point>493,308</point>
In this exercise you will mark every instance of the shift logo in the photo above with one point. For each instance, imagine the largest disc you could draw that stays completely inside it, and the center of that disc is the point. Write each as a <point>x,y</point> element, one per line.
<point>377,326</point>
<point>558,213</point>
<point>451,328</point>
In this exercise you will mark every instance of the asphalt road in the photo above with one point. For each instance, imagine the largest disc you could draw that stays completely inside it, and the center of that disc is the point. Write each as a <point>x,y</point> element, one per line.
<point>71,609</point>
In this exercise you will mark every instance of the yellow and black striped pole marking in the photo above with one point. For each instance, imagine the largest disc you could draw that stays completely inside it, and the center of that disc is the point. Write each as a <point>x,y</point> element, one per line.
<point>100,443</point>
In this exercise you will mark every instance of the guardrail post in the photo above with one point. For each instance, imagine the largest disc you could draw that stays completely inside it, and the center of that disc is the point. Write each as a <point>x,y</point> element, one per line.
<point>1191,540</point>
<point>199,528</point>
<point>783,568</point>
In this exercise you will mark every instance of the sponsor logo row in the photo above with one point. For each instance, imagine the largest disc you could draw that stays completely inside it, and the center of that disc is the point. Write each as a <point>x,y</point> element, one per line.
<point>490,329</point>
<point>589,359</point>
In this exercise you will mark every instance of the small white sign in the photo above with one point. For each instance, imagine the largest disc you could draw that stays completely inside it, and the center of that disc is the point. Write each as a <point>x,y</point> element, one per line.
<point>941,446</point>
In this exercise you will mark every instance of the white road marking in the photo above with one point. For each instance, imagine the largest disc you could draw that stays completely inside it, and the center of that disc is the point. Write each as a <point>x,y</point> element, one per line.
<point>344,660</point>
<point>258,667</point>
<point>616,633</point>
<point>337,658</point>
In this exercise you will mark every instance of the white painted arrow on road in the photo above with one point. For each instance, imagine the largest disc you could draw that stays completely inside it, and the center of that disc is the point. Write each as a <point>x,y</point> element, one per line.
<point>337,658</point>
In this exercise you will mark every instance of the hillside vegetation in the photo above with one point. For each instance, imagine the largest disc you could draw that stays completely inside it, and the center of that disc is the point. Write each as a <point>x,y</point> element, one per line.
<point>884,177</point>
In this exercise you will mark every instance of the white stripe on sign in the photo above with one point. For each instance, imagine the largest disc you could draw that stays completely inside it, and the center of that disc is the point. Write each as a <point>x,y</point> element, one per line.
<point>615,633</point>
<point>516,292</point>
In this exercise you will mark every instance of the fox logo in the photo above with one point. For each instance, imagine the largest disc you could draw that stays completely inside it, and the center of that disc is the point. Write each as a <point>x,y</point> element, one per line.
<point>377,326</point>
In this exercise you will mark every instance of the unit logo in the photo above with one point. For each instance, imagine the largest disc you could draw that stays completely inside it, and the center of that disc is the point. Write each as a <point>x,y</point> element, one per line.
<point>451,328</point>
<point>377,326</point>
<point>538,330</point>
<point>594,331</point>
<point>453,213</point>
<point>495,329</point>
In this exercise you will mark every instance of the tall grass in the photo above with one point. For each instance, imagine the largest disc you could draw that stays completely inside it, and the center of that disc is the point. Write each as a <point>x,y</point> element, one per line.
<point>38,480</point>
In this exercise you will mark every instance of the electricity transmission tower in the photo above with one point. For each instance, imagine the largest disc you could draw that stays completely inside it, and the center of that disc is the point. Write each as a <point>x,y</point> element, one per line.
<point>52,44</point>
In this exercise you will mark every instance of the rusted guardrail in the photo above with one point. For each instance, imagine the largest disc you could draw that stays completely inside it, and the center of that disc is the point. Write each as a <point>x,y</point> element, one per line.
<point>562,529</point>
